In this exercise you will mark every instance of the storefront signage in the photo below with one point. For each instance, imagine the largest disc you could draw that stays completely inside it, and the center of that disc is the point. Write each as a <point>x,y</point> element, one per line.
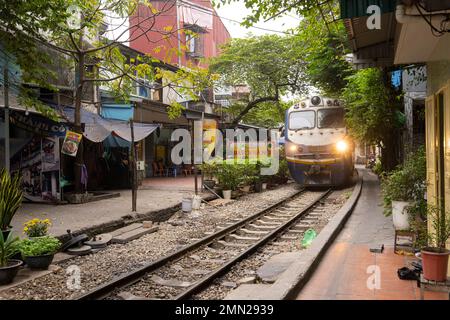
<point>71,143</point>
<point>37,124</point>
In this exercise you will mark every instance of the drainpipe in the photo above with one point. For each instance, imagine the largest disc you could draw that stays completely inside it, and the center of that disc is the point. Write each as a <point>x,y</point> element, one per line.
<point>403,18</point>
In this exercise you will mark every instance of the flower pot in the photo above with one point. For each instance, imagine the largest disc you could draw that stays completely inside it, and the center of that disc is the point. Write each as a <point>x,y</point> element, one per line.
<point>186,205</point>
<point>245,188</point>
<point>400,215</point>
<point>209,183</point>
<point>258,186</point>
<point>6,233</point>
<point>196,202</point>
<point>264,186</point>
<point>8,273</point>
<point>39,262</point>
<point>435,264</point>
<point>226,194</point>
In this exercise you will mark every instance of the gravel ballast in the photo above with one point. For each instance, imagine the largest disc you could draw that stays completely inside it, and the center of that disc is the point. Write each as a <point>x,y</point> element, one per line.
<point>117,259</point>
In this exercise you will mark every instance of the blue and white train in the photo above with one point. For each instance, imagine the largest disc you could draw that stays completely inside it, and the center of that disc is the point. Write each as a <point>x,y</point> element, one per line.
<point>318,149</point>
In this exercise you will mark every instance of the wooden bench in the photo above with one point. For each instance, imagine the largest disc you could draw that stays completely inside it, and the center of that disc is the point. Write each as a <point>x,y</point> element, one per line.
<point>433,286</point>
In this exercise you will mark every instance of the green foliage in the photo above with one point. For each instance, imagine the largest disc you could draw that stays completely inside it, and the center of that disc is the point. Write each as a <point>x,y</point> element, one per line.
<point>229,175</point>
<point>378,168</point>
<point>372,109</point>
<point>69,33</point>
<point>11,196</point>
<point>267,64</point>
<point>407,182</point>
<point>440,227</point>
<point>8,248</point>
<point>39,246</point>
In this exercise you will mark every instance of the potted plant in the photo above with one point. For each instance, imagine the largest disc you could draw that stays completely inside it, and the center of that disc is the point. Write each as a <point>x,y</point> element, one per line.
<point>229,177</point>
<point>8,267</point>
<point>36,228</point>
<point>435,256</point>
<point>11,195</point>
<point>403,187</point>
<point>38,253</point>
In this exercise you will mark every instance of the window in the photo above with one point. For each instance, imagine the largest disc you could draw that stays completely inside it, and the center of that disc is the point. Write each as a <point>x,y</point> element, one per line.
<point>302,120</point>
<point>143,88</point>
<point>330,118</point>
<point>194,45</point>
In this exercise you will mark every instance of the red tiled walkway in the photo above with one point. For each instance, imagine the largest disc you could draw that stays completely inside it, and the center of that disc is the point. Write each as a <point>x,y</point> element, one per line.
<point>348,270</point>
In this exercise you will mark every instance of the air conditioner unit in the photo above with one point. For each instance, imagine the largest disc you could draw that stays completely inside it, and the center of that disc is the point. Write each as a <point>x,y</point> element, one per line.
<point>436,5</point>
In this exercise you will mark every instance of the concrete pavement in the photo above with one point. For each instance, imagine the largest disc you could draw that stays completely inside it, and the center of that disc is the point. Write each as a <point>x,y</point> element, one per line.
<point>350,271</point>
<point>108,212</point>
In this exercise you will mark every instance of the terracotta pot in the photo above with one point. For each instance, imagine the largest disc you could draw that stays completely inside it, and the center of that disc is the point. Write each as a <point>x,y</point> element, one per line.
<point>245,188</point>
<point>435,264</point>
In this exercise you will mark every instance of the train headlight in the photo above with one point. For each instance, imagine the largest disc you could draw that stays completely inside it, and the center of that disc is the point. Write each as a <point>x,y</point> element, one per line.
<point>342,146</point>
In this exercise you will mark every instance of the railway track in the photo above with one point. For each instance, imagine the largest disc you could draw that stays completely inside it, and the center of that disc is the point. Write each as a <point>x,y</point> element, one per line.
<point>207,259</point>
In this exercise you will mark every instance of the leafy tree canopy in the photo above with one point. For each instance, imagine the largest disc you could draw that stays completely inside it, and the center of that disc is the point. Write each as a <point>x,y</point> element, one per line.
<point>269,65</point>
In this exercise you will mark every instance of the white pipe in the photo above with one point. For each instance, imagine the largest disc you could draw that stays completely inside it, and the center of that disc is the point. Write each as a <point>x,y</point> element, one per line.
<point>402,17</point>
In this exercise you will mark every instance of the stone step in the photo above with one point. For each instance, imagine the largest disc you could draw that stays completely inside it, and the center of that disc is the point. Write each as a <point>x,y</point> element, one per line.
<point>132,235</point>
<point>128,228</point>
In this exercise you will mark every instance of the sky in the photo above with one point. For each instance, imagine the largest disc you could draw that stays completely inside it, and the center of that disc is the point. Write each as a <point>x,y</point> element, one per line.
<point>237,11</point>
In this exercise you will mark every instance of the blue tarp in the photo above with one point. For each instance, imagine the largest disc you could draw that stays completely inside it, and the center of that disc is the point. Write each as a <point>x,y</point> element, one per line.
<point>117,111</point>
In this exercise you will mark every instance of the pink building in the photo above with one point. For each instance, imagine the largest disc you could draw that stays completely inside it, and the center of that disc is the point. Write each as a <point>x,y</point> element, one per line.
<point>197,16</point>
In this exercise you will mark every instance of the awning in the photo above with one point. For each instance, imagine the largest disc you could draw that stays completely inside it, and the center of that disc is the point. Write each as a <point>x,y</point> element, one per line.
<point>97,129</point>
<point>117,111</point>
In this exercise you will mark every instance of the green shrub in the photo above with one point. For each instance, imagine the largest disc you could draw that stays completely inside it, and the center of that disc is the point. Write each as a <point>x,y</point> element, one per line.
<point>378,168</point>
<point>40,246</point>
<point>11,195</point>
<point>407,182</point>
<point>8,248</point>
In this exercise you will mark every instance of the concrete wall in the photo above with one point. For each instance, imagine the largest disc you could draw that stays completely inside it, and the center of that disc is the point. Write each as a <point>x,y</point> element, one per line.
<point>438,75</point>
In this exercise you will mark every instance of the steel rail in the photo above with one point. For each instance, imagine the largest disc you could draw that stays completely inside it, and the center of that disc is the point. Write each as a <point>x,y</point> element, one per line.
<point>202,283</point>
<point>131,277</point>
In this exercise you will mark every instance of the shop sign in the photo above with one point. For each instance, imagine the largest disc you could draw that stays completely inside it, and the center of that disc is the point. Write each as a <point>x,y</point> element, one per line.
<point>71,143</point>
<point>37,124</point>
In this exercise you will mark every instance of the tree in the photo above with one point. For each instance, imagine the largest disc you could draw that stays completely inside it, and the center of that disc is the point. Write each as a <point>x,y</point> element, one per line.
<point>269,65</point>
<point>373,113</point>
<point>76,30</point>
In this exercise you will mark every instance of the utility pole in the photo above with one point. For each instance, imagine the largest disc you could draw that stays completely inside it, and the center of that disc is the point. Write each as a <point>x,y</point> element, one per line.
<point>6,101</point>
<point>134,174</point>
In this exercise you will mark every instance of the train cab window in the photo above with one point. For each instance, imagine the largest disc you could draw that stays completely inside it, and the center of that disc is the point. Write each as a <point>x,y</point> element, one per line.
<point>330,118</point>
<point>302,120</point>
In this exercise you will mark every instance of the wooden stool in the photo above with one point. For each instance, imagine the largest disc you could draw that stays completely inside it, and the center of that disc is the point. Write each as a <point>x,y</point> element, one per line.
<point>404,233</point>
<point>433,286</point>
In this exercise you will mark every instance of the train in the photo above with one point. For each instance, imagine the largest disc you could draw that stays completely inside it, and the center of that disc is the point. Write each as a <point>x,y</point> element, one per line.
<point>319,150</point>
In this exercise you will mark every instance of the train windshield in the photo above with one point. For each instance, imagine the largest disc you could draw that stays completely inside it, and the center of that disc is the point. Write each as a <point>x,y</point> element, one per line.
<point>330,118</point>
<point>302,120</point>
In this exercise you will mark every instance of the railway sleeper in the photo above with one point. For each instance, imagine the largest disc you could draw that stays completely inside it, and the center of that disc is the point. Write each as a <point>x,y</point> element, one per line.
<point>271,218</point>
<point>288,237</point>
<point>234,237</point>
<point>244,231</point>
<point>265,223</point>
<point>257,227</point>
<point>220,244</point>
